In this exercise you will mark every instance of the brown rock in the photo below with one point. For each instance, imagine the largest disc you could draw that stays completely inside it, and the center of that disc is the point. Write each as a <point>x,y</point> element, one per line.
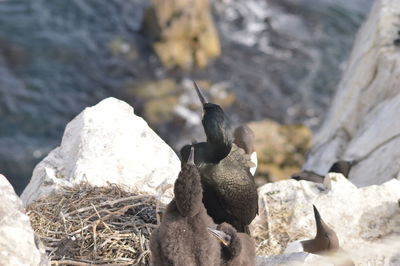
<point>280,149</point>
<point>160,99</point>
<point>159,111</point>
<point>183,31</point>
<point>156,89</point>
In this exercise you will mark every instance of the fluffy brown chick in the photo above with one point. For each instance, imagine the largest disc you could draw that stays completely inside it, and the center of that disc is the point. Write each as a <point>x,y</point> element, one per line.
<point>182,239</point>
<point>237,249</point>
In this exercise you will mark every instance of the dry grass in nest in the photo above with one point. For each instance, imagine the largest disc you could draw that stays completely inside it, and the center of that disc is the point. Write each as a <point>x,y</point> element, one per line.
<point>86,225</point>
<point>270,233</point>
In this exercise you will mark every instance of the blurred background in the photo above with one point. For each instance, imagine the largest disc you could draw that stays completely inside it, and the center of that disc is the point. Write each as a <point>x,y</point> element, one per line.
<point>274,63</point>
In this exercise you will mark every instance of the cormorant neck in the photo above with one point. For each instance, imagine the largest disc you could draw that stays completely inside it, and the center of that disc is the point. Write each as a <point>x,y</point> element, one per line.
<point>218,131</point>
<point>219,151</point>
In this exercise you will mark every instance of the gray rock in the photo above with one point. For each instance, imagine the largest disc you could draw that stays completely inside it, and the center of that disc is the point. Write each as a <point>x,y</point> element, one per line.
<point>363,123</point>
<point>107,143</point>
<point>17,240</point>
<point>366,220</point>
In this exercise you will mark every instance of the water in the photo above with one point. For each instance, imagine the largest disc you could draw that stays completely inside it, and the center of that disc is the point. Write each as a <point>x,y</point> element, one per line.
<point>282,59</point>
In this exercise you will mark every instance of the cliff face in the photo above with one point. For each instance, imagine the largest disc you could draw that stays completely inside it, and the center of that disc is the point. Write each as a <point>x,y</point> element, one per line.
<point>363,123</point>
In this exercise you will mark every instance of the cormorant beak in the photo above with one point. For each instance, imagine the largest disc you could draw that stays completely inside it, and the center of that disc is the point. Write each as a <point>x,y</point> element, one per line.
<point>317,216</point>
<point>200,94</point>
<point>321,226</point>
<point>220,235</point>
<point>191,156</point>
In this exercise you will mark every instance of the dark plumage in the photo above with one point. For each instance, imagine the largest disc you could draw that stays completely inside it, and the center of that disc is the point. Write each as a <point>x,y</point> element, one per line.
<point>308,176</point>
<point>182,237</point>
<point>218,130</point>
<point>341,167</point>
<point>237,249</point>
<point>325,243</point>
<point>230,194</point>
<point>325,239</point>
<point>229,191</point>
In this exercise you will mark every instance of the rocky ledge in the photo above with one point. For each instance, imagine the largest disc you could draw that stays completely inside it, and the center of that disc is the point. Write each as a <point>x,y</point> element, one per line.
<point>108,143</point>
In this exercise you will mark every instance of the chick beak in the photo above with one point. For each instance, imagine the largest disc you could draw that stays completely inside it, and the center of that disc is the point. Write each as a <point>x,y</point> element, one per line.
<point>220,235</point>
<point>191,156</point>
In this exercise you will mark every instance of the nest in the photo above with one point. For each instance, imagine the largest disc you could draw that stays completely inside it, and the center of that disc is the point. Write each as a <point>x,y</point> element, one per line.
<point>86,225</point>
<point>270,232</point>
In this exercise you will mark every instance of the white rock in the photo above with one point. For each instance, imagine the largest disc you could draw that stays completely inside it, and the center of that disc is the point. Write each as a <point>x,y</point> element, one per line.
<point>363,123</point>
<point>17,242</point>
<point>366,220</point>
<point>295,246</point>
<point>293,259</point>
<point>107,143</point>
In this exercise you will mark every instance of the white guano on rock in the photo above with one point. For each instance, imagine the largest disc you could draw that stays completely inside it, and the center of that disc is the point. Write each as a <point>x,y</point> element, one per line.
<point>17,240</point>
<point>104,144</point>
<point>363,123</point>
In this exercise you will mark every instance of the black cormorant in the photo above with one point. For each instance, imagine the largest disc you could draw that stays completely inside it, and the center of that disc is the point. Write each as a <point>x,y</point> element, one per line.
<point>218,130</point>
<point>237,249</point>
<point>341,167</point>
<point>229,191</point>
<point>182,237</point>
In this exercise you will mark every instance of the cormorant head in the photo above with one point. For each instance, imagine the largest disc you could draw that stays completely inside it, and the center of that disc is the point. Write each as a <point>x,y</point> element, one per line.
<point>231,245</point>
<point>221,236</point>
<point>217,127</point>
<point>244,138</point>
<point>187,189</point>
<point>190,164</point>
<point>341,167</point>
<point>325,238</point>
